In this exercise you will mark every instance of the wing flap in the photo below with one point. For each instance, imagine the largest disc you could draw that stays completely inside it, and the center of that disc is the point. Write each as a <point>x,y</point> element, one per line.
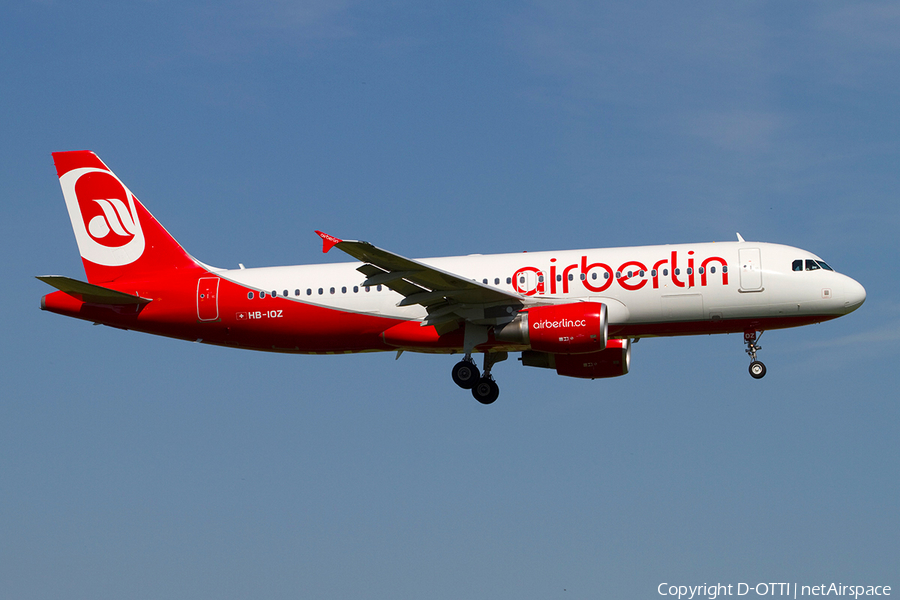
<point>394,281</point>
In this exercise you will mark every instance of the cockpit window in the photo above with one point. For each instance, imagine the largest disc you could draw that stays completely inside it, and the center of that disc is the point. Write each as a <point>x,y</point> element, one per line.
<point>811,265</point>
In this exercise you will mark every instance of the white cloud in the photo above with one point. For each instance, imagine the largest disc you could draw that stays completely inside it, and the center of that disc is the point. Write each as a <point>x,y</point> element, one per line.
<point>888,334</point>
<point>226,29</point>
<point>736,130</point>
<point>644,53</point>
<point>871,25</point>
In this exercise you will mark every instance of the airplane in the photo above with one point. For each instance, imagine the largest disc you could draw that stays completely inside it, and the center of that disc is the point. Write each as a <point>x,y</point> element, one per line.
<point>575,311</point>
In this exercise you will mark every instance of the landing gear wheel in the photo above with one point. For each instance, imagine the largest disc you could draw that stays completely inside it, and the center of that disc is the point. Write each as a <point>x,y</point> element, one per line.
<point>465,374</point>
<point>486,390</point>
<point>757,370</point>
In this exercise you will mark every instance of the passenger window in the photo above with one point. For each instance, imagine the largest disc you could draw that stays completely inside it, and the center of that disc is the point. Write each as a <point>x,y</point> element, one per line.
<point>690,271</point>
<point>355,289</point>
<point>653,273</point>
<point>583,276</point>
<point>309,291</point>
<point>593,276</point>
<point>332,290</point>
<point>701,270</point>
<point>712,270</point>
<point>559,277</point>
<point>678,271</point>
<point>811,265</point>
<point>797,265</point>
<point>540,279</point>
<point>344,290</point>
<point>618,274</point>
<point>725,268</point>
<point>249,295</point>
<point>274,294</point>
<point>262,295</point>
<point>297,292</point>
<point>496,281</point>
<point>321,291</point>
<point>665,272</point>
<point>571,277</point>
<point>285,293</point>
<point>378,288</point>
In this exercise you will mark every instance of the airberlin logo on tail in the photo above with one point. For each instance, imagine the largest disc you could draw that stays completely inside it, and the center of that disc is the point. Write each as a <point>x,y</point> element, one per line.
<point>113,226</point>
<point>103,216</point>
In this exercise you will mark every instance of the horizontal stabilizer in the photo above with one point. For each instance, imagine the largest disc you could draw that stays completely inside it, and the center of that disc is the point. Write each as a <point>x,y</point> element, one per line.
<point>93,294</point>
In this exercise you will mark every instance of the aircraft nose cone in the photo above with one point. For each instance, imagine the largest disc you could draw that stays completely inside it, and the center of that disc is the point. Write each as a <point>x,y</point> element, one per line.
<point>854,295</point>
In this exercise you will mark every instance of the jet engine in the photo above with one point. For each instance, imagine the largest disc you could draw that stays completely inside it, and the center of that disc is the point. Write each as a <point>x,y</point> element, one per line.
<point>614,361</point>
<point>576,328</point>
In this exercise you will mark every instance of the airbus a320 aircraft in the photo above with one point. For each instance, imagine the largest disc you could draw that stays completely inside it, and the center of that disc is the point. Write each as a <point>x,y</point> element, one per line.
<point>575,311</point>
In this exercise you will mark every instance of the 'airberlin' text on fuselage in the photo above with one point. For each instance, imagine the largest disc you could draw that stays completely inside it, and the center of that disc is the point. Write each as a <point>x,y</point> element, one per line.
<point>631,275</point>
<point>564,323</point>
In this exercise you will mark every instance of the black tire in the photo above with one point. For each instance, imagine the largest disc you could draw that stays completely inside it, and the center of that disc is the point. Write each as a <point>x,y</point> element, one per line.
<point>757,370</point>
<point>465,374</point>
<point>486,390</point>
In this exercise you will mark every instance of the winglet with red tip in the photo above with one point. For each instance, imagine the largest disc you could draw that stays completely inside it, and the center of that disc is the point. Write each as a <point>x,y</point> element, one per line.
<point>328,241</point>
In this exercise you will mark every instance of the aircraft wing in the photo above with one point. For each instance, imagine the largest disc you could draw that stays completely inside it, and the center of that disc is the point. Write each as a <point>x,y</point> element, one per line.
<point>446,296</point>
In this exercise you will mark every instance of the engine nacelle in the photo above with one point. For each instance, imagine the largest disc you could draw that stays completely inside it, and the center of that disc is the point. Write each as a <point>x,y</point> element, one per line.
<point>577,328</point>
<point>614,361</point>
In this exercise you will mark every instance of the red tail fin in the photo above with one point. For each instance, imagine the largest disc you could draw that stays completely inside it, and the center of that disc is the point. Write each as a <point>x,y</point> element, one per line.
<point>116,235</point>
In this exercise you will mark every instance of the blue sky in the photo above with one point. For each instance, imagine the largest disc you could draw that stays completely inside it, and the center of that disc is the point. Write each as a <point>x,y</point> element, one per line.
<point>140,467</point>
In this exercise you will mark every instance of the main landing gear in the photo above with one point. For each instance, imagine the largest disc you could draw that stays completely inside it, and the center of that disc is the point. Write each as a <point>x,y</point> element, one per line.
<point>465,374</point>
<point>757,369</point>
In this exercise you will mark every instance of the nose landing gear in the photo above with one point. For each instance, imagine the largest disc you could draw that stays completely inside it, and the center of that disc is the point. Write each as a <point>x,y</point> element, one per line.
<point>757,368</point>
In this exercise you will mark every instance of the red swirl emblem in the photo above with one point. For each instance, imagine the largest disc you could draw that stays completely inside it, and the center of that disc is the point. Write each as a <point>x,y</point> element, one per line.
<point>104,205</point>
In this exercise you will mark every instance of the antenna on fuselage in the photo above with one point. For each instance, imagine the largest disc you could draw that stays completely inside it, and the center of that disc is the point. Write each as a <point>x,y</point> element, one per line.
<point>740,239</point>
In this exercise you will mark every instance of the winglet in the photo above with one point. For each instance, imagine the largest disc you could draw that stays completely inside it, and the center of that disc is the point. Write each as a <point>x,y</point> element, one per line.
<point>328,241</point>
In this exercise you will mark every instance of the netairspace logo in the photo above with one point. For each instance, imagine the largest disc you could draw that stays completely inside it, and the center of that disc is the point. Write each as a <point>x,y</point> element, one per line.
<point>794,590</point>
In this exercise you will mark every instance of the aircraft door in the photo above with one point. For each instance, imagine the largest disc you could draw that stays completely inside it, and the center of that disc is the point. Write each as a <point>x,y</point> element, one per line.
<point>208,298</point>
<point>751,270</point>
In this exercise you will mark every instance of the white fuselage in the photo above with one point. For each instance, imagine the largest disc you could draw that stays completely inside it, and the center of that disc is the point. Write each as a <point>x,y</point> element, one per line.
<point>640,285</point>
